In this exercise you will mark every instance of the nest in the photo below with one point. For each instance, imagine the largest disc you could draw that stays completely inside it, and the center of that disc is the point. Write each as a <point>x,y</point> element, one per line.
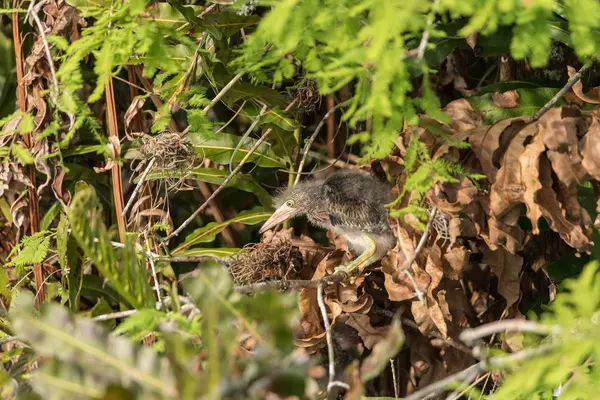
<point>307,96</point>
<point>260,262</point>
<point>174,157</point>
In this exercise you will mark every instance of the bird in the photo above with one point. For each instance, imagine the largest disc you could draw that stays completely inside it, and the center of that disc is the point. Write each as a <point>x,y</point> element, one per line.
<point>349,202</point>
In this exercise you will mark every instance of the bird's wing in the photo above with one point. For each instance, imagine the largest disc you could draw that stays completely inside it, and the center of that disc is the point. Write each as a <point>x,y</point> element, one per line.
<point>352,204</point>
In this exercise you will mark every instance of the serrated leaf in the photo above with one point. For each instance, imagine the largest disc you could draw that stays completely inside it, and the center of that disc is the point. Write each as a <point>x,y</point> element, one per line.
<point>33,250</point>
<point>221,147</point>
<point>209,232</point>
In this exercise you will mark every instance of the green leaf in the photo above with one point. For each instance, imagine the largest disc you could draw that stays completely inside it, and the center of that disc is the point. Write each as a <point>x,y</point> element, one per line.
<point>50,215</point>
<point>243,182</point>
<point>102,360</point>
<point>221,252</point>
<point>209,232</point>
<point>530,102</point>
<point>128,279</point>
<point>220,148</point>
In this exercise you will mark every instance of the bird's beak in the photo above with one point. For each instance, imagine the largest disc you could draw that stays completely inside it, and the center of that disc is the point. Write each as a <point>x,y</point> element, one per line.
<point>281,214</point>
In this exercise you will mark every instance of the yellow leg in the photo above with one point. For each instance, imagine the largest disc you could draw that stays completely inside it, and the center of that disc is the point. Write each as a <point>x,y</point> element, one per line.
<point>363,260</point>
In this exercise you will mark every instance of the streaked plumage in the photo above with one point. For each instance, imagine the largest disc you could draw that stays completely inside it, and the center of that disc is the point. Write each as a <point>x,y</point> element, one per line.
<point>349,202</point>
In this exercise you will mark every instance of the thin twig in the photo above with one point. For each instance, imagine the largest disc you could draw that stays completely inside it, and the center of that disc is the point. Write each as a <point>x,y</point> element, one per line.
<point>246,135</point>
<point>225,182</point>
<point>32,12</point>
<point>291,284</point>
<point>159,305</point>
<point>312,138</point>
<point>394,378</point>
<point>115,315</point>
<point>572,81</point>
<point>138,186</point>
<point>330,352</point>
<point>406,268</point>
<point>223,92</point>
<point>469,336</point>
<point>426,32</point>
<point>499,362</point>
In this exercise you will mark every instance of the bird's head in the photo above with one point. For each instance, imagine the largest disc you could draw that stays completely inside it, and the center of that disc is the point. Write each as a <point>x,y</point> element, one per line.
<point>292,202</point>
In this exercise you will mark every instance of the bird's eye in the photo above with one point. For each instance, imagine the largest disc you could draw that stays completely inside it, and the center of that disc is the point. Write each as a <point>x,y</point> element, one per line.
<point>290,203</point>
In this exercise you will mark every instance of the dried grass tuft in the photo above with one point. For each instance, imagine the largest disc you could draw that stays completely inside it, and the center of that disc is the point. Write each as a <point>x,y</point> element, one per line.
<point>266,261</point>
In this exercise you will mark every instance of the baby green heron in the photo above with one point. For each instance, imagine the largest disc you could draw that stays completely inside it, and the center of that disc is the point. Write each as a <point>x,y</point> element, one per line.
<point>350,203</point>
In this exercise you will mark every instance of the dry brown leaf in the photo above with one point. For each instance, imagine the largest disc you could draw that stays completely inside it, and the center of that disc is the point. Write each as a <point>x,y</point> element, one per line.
<point>452,198</point>
<point>133,109</point>
<point>485,143</point>
<point>551,209</point>
<point>457,259</point>
<point>362,323</point>
<point>591,96</point>
<point>472,39</point>
<point>590,149</point>
<point>530,166</point>
<point>452,73</point>
<point>429,317</point>
<point>507,235</point>
<point>508,189</point>
<point>505,100</point>
<point>434,268</point>
<point>507,267</point>
<point>463,116</point>
<point>560,138</point>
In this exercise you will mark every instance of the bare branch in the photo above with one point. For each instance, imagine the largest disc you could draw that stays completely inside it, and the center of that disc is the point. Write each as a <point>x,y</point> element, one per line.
<point>425,38</point>
<point>223,92</point>
<point>469,336</point>
<point>292,284</point>
<point>406,268</point>
<point>574,79</point>
<point>473,371</point>
<point>330,352</point>
<point>115,315</point>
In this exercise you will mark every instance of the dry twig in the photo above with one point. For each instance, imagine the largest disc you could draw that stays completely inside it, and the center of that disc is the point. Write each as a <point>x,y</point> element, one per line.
<point>475,370</point>
<point>330,352</point>
<point>138,186</point>
<point>574,79</point>
<point>292,284</point>
<point>469,336</point>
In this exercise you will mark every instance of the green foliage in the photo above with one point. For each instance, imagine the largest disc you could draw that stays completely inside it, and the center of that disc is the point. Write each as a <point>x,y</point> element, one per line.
<point>32,250</point>
<point>575,311</point>
<point>82,360</point>
<point>128,277</point>
<point>366,43</point>
<point>209,232</point>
